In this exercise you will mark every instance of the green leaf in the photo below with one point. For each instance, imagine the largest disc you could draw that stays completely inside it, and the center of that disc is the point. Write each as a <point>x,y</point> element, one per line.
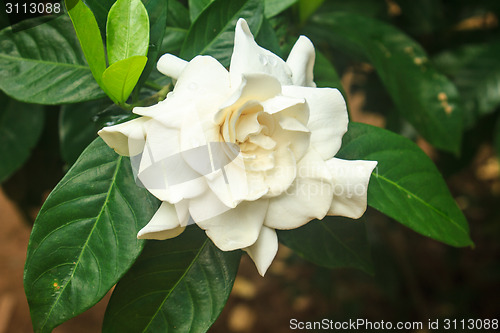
<point>332,242</point>
<point>274,7</point>
<point>20,127</point>
<point>196,7</point>
<point>307,8</point>
<point>177,285</point>
<point>45,64</point>
<point>476,72</point>
<point>173,40</point>
<point>77,128</point>
<point>178,15</point>
<point>89,36</point>
<point>127,30</point>
<point>267,38</point>
<point>406,185</point>
<point>120,78</point>
<point>213,31</point>
<point>177,27</point>
<point>84,238</point>
<point>157,12</point>
<point>424,96</point>
<point>100,8</point>
<point>369,8</point>
<point>325,74</point>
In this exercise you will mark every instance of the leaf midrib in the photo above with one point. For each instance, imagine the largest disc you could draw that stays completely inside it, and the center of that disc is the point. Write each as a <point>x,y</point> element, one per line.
<point>44,62</point>
<point>422,201</point>
<point>112,185</point>
<point>128,28</point>
<point>181,278</point>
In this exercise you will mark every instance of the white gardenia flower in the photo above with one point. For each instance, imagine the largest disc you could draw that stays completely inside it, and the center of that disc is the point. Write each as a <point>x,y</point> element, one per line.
<point>243,152</point>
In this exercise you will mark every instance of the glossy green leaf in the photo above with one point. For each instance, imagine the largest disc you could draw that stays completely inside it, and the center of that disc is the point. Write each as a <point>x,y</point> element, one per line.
<point>332,242</point>
<point>177,27</point>
<point>120,78</point>
<point>173,40</point>
<point>20,127</point>
<point>196,7</point>
<point>424,96</point>
<point>77,129</point>
<point>89,36</point>
<point>100,8</point>
<point>406,185</point>
<point>45,64</point>
<point>213,31</point>
<point>157,12</point>
<point>84,238</point>
<point>127,30</point>
<point>177,285</point>
<point>177,15</point>
<point>268,38</point>
<point>325,74</point>
<point>274,7</point>
<point>475,70</point>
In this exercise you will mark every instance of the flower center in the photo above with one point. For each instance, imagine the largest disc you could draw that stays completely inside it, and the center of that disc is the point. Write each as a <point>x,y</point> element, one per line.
<point>251,129</point>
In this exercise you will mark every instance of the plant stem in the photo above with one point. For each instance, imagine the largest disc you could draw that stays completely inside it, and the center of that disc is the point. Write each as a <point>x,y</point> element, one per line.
<point>159,96</point>
<point>153,85</point>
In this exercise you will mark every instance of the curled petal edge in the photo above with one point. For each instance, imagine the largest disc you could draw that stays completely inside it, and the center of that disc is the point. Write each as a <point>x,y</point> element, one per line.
<point>350,190</point>
<point>166,223</point>
<point>127,139</point>
<point>171,65</point>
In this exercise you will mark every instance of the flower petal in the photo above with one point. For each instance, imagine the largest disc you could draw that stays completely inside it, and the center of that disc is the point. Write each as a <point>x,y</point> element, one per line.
<point>205,82</point>
<point>165,223</point>
<point>288,106</point>
<point>237,228</point>
<point>127,139</point>
<point>309,197</point>
<point>257,185</point>
<point>264,249</point>
<point>206,206</point>
<point>161,140</point>
<point>163,169</point>
<point>282,176</point>
<point>167,111</point>
<point>247,125</point>
<point>253,87</point>
<point>351,180</point>
<point>293,134</point>
<point>301,62</point>
<point>171,65</point>
<point>229,181</point>
<point>327,117</point>
<point>248,57</point>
